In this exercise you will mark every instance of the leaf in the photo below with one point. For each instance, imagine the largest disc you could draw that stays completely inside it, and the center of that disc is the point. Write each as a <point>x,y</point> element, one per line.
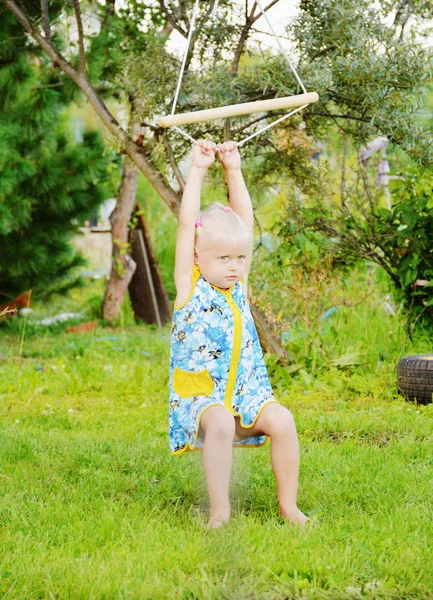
<point>291,369</point>
<point>346,360</point>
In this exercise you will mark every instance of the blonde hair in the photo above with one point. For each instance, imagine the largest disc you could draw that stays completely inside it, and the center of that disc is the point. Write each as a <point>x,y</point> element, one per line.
<point>219,222</point>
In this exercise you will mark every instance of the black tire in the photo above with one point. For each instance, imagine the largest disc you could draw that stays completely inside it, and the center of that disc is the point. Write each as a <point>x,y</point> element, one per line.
<point>415,377</point>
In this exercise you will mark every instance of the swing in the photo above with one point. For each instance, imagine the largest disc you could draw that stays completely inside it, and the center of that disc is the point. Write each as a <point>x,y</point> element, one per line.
<point>297,102</point>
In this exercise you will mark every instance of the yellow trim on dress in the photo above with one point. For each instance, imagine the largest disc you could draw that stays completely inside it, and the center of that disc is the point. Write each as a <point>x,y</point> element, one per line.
<point>236,352</point>
<point>237,346</point>
<point>237,334</point>
<point>189,448</point>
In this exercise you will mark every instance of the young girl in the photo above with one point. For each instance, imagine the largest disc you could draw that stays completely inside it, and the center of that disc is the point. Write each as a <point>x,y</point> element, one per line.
<point>220,395</point>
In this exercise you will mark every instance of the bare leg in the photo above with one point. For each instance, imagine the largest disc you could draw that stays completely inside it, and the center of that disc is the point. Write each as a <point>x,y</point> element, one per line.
<point>277,422</point>
<point>219,428</point>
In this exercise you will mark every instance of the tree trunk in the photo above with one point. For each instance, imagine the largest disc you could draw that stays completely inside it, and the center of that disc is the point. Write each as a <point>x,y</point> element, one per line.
<point>268,340</point>
<point>122,266</point>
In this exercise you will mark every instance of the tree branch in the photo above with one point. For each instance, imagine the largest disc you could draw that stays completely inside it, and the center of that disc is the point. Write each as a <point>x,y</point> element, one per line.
<point>348,304</point>
<point>403,25</point>
<point>257,222</point>
<point>46,20</point>
<point>351,117</point>
<point>250,19</point>
<point>46,44</point>
<point>343,172</point>
<point>195,36</point>
<point>257,120</point>
<point>399,11</point>
<point>154,128</point>
<point>269,33</point>
<point>81,54</point>
<point>172,19</point>
<point>179,177</point>
<point>242,41</point>
<point>270,5</point>
<point>108,12</point>
<point>135,152</point>
<point>323,52</point>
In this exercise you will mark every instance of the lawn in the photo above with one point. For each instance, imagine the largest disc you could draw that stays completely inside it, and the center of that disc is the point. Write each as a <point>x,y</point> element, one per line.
<point>92,506</point>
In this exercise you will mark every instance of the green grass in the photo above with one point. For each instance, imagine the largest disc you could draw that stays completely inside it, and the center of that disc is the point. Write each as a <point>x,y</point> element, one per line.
<point>93,506</point>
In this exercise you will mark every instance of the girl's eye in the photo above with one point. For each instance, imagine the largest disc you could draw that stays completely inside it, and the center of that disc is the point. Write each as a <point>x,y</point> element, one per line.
<point>224,258</point>
<point>241,257</point>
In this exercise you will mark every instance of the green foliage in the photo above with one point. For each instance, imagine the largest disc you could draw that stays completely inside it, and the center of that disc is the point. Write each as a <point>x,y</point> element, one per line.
<point>364,73</point>
<point>398,238</point>
<point>92,504</point>
<point>49,184</point>
<point>412,225</point>
<point>416,10</point>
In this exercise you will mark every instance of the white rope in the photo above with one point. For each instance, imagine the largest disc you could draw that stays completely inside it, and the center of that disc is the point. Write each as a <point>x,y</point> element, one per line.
<point>191,29</point>
<point>250,137</point>
<point>282,49</point>
<point>253,135</point>
<point>184,133</point>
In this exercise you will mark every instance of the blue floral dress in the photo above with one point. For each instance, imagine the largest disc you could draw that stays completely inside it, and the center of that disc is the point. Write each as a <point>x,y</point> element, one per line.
<point>215,360</point>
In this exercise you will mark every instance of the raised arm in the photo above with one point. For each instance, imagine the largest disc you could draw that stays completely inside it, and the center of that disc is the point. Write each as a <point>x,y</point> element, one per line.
<point>203,155</point>
<point>239,197</point>
<point>240,200</point>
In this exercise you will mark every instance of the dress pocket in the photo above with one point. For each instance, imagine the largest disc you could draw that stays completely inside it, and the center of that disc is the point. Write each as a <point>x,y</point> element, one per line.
<point>187,383</point>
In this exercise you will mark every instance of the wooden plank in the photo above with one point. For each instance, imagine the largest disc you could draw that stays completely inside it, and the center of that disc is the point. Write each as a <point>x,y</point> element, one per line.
<point>236,110</point>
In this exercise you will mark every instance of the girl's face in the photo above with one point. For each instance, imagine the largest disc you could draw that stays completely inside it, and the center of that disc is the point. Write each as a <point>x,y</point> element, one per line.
<point>222,263</point>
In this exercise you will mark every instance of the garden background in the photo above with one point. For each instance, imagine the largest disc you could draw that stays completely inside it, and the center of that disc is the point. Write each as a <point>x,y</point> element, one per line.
<point>92,504</point>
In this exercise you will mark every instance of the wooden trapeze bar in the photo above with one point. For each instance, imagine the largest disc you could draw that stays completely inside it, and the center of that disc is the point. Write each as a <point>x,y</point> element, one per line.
<point>235,110</point>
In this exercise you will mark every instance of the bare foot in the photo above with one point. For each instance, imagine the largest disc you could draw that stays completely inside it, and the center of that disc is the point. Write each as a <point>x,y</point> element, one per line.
<point>293,515</point>
<point>216,522</point>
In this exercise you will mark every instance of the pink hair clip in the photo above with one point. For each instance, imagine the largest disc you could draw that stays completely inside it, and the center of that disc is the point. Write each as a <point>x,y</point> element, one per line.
<point>227,209</point>
<point>198,222</point>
